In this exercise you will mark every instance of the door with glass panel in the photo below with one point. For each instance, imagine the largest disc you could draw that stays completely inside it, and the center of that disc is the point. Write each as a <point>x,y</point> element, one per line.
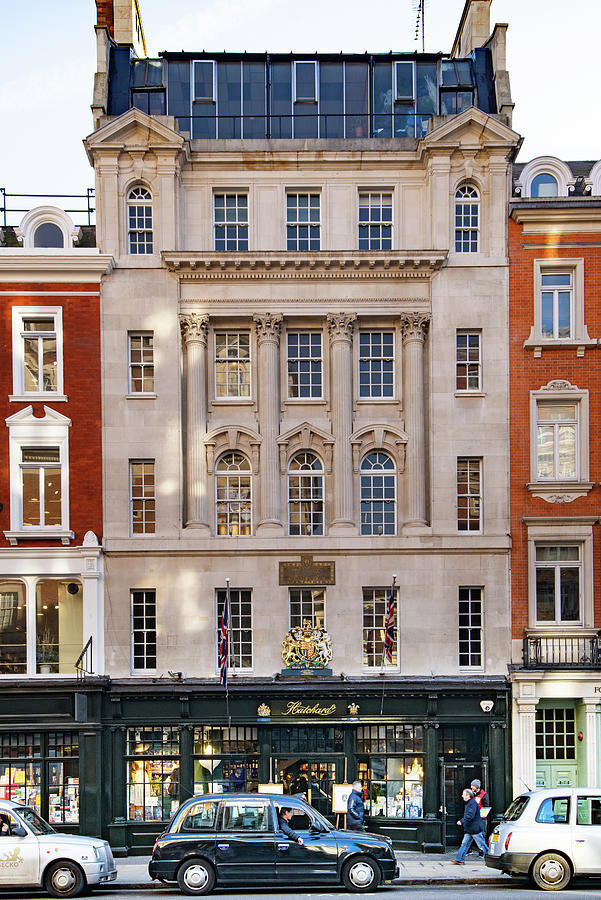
<point>313,778</point>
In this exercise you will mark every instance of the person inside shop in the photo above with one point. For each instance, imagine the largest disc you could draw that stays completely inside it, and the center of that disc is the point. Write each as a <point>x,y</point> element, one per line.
<point>355,808</point>
<point>287,783</point>
<point>472,828</point>
<point>284,817</point>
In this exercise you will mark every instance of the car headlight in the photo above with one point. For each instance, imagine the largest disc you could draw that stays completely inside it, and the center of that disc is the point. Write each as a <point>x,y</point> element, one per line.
<point>97,852</point>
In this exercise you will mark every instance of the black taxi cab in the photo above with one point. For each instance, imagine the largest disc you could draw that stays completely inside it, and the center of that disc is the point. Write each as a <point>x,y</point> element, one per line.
<point>226,839</point>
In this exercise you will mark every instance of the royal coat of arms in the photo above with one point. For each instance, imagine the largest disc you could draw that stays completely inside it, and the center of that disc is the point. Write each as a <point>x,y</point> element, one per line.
<point>306,647</point>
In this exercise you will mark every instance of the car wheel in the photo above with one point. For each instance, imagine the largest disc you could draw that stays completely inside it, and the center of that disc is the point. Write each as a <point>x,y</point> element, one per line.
<point>196,877</point>
<point>64,879</point>
<point>360,874</point>
<point>551,872</point>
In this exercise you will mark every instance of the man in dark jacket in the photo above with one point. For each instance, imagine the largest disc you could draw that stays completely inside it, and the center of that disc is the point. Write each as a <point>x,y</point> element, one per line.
<point>472,827</point>
<point>285,816</point>
<point>355,808</point>
<point>481,798</point>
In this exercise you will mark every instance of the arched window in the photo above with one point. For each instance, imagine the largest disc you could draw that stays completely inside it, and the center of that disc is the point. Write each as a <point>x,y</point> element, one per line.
<point>233,499</point>
<point>139,220</point>
<point>48,235</point>
<point>378,494</point>
<point>544,185</point>
<point>467,219</point>
<point>305,494</point>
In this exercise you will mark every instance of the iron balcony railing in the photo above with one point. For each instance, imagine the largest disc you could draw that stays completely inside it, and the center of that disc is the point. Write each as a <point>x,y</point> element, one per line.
<point>83,664</point>
<point>562,652</point>
<point>82,212</point>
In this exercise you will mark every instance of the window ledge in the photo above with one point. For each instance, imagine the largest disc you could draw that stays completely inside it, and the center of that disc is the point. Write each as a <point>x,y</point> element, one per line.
<point>537,345</point>
<point>140,395</point>
<point>376,401</point>
<point>313,401</point>
<point>233,401</point>
<point>470,394</point>
<point>560,491</point>
<point>39,534</point>
<point>560,630</point>
<point>38,397</point>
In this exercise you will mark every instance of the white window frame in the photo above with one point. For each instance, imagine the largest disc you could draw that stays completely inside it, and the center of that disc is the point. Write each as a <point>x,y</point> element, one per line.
<point>299,398</point>
<point>480,496</point>
<point>565,531</point>
<point>579,333</point>
<point>557,565</point>
<point>378,667</point>
<point>233,505</point>
<point>314,98</point>
<point>135,669</point>
<point>19,314</point>
<point>233,192</point>
<point>143,365</point>
<point>368,475</point>
<point>379,398</point>
<point>560,391</point>
<point>462,229</point>
<point>137,202</point>
<point>468,332</point>
<point>381,193</point>
<point>196,99</point>
<point>307,601</point>
<point>25,430</point>
<point>556,424</point>
<point>131,463</point>
<point>311,475</point>
<point>546,165</point>
<point>233,669</point>
<point>297,224</point>
<point>481,666</point>
<point>239,397</point>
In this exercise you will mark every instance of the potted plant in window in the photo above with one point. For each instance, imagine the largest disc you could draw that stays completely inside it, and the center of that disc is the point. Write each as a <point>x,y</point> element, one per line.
<point>47,651</point>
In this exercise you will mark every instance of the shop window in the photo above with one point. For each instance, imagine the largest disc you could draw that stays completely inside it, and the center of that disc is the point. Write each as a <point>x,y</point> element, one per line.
<point>41,770</point>
<point>558,573</point>
<point>378,494</point>
<point>544,185</point>
<point>13,629</point>
<point>305,495</point>
<point>293,739</point>
<point>375,221</point>
<point>375,606</point>
<point>394,784</point>
<point>152,773</point>
<point>470,627</point>
<point>233,501</point>
<point>376,364</point>
<point>303,222</point>
<point>139,221</point>
<point>59,626</point>
<point>307,605</point>
<point>37,353</point>
<point>469,494</point>
<point>226,760</point>
<point>467,219</point>
<point>142,496</point>
<point>468,361</point>
<point>141,363</point>
<point>555,734</point>
<point>144,629</point>
<point>304,364</point>
<point>241,635</point>
<point>390,739</point>
<point>230,222</point>
<point>232,365</point>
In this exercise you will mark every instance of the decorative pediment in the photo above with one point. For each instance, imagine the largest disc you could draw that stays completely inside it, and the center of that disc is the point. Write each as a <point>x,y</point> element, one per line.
<point>473,128</point>
<point>26,417</point>
<point>306,437</point>
<point>379,437</point>
<point>229,438</point>
<point>133,131</point>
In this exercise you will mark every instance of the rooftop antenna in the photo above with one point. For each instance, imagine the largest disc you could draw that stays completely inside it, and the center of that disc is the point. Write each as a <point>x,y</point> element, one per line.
<point>419,7</point>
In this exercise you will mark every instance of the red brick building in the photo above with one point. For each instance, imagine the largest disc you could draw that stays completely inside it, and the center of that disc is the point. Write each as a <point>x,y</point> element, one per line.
<point>555,433</point>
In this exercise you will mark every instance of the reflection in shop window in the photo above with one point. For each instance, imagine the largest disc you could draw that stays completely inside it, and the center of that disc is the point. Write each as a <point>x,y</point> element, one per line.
<point>42,772</point>
<point>394,786</point>
<point>21,768</point>
<point>63,777</point>
<point>153,773</point>
<point>13,628</point>
<point>226,760</point>
<point>59,626</point>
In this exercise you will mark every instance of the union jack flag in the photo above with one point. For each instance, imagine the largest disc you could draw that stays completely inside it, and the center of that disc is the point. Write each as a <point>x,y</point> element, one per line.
<point>224,639</point>
<point>389,626</point>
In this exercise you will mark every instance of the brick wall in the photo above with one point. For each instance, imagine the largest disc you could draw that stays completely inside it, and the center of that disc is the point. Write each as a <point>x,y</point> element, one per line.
<point>105,15</point>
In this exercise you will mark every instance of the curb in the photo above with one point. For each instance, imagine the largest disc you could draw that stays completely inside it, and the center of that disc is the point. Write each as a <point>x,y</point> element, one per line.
<point>156,885</point>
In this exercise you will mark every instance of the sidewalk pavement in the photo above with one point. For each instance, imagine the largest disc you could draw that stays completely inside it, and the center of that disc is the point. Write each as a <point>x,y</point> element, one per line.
<point>415,868</point>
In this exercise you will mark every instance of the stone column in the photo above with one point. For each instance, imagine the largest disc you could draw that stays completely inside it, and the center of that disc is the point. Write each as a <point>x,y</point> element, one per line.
<point>194,331</point>
<point>341,333</point>
<point>524,745</point>
<point>414,327</point>
<point>268,333</point>
<point>591,713</point>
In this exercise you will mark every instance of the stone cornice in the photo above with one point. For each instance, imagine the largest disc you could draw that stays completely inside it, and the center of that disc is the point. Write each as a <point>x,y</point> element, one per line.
<point>283,266</point>
<point>72,265</point>
<point>570,216</point>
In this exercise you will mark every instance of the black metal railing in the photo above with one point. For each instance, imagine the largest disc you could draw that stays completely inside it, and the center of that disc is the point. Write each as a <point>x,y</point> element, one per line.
<point>562,652</point>
<point>84,664</point>
<point>11,215</point>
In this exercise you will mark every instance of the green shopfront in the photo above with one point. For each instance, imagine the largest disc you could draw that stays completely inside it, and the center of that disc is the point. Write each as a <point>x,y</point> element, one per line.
<point>116,759</point>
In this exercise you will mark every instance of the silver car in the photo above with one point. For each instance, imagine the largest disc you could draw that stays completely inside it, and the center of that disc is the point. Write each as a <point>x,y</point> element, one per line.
<point>550,835</point>
<point>32,854</point>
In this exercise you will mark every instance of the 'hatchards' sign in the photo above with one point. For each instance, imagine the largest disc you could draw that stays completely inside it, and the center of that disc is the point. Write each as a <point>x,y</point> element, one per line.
<point>292,708</point>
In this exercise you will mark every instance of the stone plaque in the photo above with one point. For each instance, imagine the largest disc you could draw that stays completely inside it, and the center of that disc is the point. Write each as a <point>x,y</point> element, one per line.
<point>307,572</point>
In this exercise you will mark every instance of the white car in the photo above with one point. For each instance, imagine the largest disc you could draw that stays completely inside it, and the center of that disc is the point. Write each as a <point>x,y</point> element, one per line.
<point>550,835</point>
<point>32,854</point>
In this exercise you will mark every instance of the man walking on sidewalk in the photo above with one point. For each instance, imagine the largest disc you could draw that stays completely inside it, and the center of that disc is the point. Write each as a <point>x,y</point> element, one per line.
<point>472,827</point>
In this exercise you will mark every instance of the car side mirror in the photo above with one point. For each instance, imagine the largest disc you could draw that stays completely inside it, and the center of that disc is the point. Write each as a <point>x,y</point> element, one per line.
<point>18,831</point>
<point>315,828</point>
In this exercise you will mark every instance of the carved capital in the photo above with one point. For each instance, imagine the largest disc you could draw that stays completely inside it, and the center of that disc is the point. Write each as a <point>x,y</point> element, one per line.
<point>341,325</point>
<point>268,326</point>
<point>414,326</point>
<point>194,327</point>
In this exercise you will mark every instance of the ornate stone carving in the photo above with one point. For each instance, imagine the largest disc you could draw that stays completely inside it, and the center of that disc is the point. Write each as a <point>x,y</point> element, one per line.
<point>557,498</point>
<point>306,647</point>
<point>341,325</point>
<point>559,384</point>
<point>414,326</point>
<point>268,326</point>
<point>194,327</point>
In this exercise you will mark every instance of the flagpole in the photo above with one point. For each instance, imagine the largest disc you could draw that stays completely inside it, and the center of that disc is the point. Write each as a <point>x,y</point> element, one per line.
<point>230,655</point>
<point>390,601</point>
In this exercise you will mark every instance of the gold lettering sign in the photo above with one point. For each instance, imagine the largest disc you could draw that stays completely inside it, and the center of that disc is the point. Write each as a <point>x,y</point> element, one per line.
<point>307,572</point>
<point>298,708</point>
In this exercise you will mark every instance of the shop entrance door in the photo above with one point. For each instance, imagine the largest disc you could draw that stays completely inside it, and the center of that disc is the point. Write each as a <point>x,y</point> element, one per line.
<point>313,776</point>
<point>455,777</point>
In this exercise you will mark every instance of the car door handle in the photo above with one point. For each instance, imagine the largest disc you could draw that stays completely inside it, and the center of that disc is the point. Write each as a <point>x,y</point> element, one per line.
<point>580,841</point>
<point>283,846</point>
<point>223,846</point>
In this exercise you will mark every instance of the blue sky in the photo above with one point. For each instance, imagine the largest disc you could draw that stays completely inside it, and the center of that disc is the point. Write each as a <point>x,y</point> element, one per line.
<point>48,60</point>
